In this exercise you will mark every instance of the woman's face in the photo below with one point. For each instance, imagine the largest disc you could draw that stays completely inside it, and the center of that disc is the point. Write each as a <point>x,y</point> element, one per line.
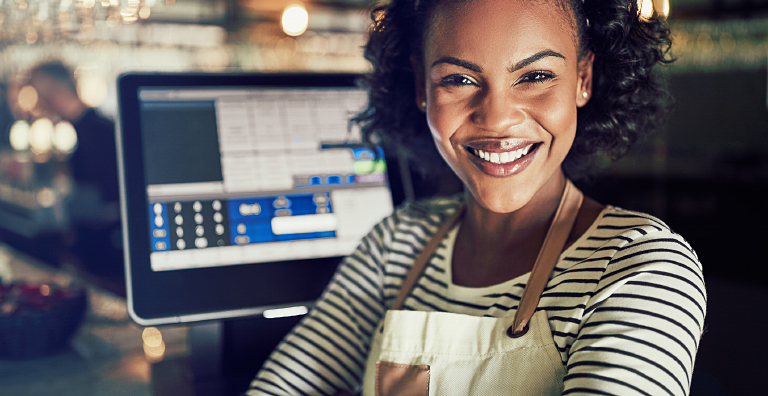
<point>502,83</point>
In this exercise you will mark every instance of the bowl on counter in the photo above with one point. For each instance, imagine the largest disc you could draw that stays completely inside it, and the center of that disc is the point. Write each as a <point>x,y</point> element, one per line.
<point>37,319</point>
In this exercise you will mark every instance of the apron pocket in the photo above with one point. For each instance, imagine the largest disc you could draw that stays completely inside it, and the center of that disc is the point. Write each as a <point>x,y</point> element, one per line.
<point>401,379</point>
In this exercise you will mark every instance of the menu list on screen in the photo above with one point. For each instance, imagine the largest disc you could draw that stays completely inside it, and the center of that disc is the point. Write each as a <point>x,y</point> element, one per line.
<point>239,176</point>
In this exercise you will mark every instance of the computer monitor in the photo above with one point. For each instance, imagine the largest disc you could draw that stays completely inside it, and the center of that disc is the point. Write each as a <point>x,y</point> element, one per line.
<point>240,192</point>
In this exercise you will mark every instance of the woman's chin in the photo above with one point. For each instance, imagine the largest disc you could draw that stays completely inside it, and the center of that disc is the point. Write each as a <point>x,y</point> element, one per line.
<point>499,201</point>
<point>508,195</point>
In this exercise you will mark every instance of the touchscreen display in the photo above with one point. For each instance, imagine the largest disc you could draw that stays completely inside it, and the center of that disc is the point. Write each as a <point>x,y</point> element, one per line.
<point>253,175</point>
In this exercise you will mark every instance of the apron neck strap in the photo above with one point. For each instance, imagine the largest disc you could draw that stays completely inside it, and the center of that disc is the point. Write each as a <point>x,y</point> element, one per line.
<point>554,242</point>
<point>421,260</point>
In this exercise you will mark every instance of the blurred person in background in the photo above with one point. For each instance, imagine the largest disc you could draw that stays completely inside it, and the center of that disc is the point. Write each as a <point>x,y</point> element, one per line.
<point>95,211</point>
<point>94,163</point>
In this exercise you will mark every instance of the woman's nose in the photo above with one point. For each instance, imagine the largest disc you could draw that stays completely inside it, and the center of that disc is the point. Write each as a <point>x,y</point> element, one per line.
<point>497,111</point>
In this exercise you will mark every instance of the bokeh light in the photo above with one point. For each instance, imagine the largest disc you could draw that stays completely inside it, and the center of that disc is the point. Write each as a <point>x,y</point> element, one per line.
<point>46,197</point>
<point>64,137</point>
<point>129,14</point>
<point>41,136</point>
<point>92,90</point>
<point>144,12</point>
<point>727,42</point>
<point>646,9</point>
<point>705,43</point>
<point>32,37</point>
<point>19,135</point>
<point>154,347</point>
<point>295,20</point>
<point>152,337</point>
<point>27,98</point>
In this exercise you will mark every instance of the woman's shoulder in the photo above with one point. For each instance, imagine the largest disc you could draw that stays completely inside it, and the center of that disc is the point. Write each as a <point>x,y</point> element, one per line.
<point>629,252</point>
<point>639,241</point>
<point>621,226</point>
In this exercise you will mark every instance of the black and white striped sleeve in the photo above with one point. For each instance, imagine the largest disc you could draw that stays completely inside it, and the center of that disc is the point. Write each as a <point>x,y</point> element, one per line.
<point>640,330</point>
<point>327,350</point>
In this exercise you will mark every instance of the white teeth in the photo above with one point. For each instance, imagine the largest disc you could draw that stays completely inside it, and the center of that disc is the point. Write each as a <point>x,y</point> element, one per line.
<point>502,158</point>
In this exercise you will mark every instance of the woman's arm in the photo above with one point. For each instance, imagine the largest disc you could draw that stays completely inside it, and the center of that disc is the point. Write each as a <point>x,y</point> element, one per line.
<point>326,351</point>
<point>641,329</point>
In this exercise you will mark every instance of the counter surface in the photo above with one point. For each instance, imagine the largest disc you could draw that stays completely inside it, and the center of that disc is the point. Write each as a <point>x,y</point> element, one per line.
<point>106,356</point>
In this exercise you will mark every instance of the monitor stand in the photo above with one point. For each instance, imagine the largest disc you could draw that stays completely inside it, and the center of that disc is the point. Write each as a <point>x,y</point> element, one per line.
<point>206,355</point>
<point>224,356</point>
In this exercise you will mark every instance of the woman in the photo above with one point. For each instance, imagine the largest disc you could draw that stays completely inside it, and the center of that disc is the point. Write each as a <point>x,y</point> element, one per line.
<point>526,288</point>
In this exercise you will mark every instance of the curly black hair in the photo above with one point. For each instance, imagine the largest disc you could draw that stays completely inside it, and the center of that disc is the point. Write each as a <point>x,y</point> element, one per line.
<point>628,99</point>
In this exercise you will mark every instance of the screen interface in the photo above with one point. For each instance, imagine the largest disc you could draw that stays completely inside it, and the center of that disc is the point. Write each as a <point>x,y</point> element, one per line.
<point>240,176</point>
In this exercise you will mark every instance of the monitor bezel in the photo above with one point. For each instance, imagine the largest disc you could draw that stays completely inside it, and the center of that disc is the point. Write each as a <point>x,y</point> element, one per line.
<point>181,296</point>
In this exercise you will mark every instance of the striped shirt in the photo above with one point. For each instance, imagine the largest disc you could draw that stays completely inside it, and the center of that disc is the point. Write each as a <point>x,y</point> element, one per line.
<point>626,305</point>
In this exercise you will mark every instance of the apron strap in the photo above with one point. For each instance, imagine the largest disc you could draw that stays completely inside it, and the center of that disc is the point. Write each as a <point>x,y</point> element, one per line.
<point>421,260</point>
<point>557,235</point>
<point>550,251</point>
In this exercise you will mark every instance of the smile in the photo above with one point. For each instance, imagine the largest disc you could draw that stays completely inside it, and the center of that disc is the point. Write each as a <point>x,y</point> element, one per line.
<point>502,157</point>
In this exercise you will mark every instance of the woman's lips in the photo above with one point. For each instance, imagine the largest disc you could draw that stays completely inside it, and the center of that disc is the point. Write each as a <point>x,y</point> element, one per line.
<point>494,160</point>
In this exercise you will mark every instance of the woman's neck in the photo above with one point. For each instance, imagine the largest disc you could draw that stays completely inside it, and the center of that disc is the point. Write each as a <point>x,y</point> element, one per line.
<point>486,227</point>
<point>494,247</point>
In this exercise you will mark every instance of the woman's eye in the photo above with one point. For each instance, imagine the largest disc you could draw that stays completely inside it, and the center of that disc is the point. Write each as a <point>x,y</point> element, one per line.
<point>537,77</point>
<point>456,80</point>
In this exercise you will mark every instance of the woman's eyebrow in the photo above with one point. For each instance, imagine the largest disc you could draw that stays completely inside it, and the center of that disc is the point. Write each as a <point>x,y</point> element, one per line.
<point>477,69</point>
<point>458,62</point>
<point>533,58</point>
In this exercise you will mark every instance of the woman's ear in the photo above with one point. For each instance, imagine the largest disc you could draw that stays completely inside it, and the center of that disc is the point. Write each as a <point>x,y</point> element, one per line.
<point>418,81</point>
<point>584,81</point>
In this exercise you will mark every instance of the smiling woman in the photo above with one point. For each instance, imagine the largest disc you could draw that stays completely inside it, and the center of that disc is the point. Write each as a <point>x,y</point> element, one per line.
<point>493,82</point>
<point>521,285</point>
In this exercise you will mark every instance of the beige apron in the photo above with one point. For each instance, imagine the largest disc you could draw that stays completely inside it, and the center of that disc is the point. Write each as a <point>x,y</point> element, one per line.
<point>416,353</point>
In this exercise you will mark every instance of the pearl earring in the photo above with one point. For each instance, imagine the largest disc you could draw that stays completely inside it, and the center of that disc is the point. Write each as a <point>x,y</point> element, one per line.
<point>584,94</point>
<point>423,104</point>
